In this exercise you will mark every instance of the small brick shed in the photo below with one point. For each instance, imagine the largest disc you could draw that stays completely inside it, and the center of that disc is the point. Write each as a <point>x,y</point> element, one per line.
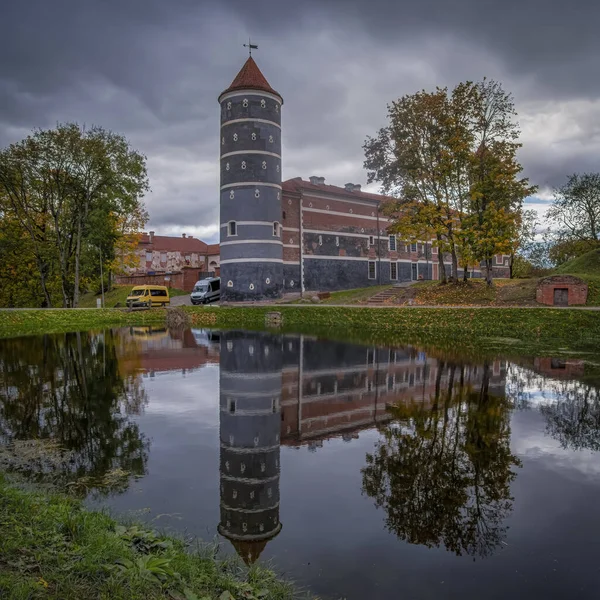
<point>562,290</point>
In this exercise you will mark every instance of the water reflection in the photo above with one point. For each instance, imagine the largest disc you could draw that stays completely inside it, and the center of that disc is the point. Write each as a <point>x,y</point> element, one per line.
<point>442,472</point>
<point>429,435</point>
<point>250,397</point>
<point>73,389</point>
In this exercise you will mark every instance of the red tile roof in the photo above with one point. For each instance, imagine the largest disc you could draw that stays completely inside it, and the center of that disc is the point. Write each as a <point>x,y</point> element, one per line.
<point>164,243</point>
<point>298,184</point>
<point>212,249</point>
<point>250,77</point>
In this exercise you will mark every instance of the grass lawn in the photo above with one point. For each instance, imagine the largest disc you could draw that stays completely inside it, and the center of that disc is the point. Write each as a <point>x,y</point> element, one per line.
<point>355,296</point>
<point>504,292</point>
<point>117,295</point>
<point>51,547</point>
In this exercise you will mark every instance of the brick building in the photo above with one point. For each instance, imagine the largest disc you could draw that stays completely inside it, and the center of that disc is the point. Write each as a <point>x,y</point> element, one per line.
<point>177,262</point>
<point>299,235</point>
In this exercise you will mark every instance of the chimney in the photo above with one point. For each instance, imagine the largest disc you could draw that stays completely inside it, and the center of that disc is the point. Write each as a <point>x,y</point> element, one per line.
<point>317,180</point>
<point>357,187</point>
<point>349,187</point>
<point>183,235</point>
<point>151,236</point>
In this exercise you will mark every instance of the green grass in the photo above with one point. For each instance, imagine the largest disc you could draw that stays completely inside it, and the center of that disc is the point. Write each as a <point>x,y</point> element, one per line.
<point>117,295</point>
<point>504,292</point>
<point>480,329</point>
<point>586,267</point>
<point>355,296</point>
<point>586,264</point>
<point>53,548</point>
<point>37,322</point>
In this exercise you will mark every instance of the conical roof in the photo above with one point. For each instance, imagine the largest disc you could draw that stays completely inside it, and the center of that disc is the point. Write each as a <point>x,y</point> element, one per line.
<point>250,77</point>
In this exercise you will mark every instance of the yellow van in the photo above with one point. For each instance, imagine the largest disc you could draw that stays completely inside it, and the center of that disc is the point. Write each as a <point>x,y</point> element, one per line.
<point>148,295</point>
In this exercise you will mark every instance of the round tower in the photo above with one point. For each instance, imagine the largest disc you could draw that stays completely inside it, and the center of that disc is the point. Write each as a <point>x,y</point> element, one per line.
<point>250,194</point>
<point>250,423</point>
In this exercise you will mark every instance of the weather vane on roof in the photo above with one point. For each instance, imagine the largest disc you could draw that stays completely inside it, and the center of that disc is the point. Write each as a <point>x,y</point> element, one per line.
<point>250,46</point>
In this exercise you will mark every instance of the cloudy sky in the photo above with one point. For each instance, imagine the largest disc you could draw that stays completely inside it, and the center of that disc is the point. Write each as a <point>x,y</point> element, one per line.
<point>152,70</point>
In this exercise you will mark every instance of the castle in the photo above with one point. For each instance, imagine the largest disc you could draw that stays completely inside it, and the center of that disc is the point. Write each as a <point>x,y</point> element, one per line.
<point>296,235</point>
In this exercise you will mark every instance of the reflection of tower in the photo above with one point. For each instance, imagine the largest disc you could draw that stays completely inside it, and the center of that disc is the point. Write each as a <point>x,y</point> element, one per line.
<point>249,429</point>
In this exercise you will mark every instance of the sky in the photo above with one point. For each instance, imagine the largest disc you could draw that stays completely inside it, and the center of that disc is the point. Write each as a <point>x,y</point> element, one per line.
<point>152,70</point>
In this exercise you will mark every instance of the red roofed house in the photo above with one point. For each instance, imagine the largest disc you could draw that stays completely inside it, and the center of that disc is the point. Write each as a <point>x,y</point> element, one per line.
<point>177,262</point>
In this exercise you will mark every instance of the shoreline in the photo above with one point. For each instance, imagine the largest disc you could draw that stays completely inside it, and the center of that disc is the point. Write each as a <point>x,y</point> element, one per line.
<point>489,328</point>
<point>52,546</point>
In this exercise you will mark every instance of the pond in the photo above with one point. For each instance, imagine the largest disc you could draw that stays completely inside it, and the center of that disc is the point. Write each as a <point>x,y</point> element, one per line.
<point>360,471</point>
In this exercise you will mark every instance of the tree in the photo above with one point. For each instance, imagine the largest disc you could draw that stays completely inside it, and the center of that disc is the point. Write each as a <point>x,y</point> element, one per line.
<point>522,243</point>
<point>496,193</point>
<point>449,162</point>
<point>70,188</point>
<point>420,158</point>
<point>575,210</point>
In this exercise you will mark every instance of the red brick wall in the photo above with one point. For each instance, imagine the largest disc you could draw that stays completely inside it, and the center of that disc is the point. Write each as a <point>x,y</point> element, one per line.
<point>577,292</point>
<point>183,280</point>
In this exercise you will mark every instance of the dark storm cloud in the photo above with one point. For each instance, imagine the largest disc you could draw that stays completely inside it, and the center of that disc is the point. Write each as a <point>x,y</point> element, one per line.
<point>153,69</point>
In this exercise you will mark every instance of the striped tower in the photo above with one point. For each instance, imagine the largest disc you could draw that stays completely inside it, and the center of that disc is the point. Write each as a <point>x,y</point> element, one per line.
<point>250,201</point>
<point>250,422</point>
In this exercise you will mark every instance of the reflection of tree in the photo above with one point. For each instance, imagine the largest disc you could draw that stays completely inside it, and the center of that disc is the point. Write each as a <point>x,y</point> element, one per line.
<point>573,417</point>
<point>443,474</point>
<point>69,388</point>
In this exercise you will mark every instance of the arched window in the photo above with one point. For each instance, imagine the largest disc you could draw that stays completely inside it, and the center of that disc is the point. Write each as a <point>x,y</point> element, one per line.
<point>276,228</point>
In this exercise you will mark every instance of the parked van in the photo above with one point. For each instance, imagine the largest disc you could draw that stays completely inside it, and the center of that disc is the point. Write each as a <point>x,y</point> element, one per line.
<point>148,295</point>
<point>206,290</point>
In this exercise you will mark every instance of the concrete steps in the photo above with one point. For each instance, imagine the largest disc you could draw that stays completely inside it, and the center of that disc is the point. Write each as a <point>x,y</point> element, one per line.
<point>386,296</point>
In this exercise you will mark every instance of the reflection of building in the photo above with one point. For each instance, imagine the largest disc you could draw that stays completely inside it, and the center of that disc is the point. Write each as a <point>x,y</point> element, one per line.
<point>303,390</point>
<point>250,390</point>
<point>152,350</point>
<point>559,368</point>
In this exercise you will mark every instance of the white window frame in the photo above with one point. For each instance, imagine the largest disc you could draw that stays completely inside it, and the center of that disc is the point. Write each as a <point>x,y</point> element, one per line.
<point>371,240</point>
<point>148,254</point>
<point>374,263</point>
<point>413,247</point>
<point>393,264</point>
<point>229,229</point>
<point>276,229</point>
<point>393,243</point>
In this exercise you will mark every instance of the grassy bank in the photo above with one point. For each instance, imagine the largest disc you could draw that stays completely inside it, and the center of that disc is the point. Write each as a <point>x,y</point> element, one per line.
<point>51,547</point>
<point>524,328</point>
<point>30,322</point>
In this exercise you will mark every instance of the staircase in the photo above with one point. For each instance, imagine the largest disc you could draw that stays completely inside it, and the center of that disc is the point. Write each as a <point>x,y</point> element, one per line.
<point>387,296</point>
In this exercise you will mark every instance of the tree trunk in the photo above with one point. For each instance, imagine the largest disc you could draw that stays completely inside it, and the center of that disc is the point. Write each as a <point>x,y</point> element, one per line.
<point>77,259</point>
<point>441,268</point>
<point>488,271</point>
<point>510,265</point>
<point>43,269</point>
<point>454,277</point>
<point>465,273</point>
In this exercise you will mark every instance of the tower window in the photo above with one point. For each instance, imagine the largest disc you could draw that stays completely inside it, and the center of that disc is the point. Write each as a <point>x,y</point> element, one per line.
<point>320,240</point>
<point>372,269</point>
<point>393,243</point>
<point>337,241</point>
<point>371,240</point>
<point>232,407</point>
<point>232,228</point>
<point>276,228</point>
<point>283,215</point>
